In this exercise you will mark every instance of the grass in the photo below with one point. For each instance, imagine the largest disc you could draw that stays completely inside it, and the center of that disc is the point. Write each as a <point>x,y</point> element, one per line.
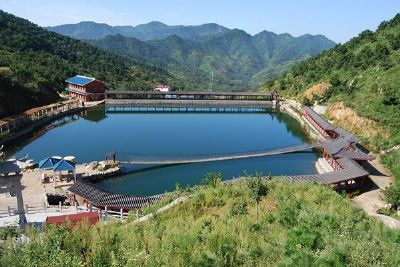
<point>299,225</point>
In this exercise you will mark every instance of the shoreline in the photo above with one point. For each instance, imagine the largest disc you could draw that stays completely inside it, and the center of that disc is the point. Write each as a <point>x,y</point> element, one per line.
<point>289,107</point>
<point>369,200</point>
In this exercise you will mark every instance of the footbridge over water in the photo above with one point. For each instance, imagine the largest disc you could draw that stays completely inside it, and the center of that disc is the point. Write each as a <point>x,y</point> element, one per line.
<point>147,159</point>
<point>195,98</point>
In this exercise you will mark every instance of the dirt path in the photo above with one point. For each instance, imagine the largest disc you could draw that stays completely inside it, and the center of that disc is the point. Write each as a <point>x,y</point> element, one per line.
<point>370,201</point>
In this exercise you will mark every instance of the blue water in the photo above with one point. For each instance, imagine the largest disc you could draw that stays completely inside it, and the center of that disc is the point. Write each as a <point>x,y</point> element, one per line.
<point>94,133</point>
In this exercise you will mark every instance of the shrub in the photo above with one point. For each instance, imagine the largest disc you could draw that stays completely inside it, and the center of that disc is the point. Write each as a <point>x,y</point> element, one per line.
<point>212,179</point>
<point>392,195</point>
<point>8,232</point>
<point>270,218</point>
<point>303,237</point>
<point>238,208</point>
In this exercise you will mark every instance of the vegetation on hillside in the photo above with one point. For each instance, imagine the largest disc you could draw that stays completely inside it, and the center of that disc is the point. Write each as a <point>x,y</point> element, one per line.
<point>35,62</point>
<point>237,59</point>
<point>298,225</point>
<point>364,73</point>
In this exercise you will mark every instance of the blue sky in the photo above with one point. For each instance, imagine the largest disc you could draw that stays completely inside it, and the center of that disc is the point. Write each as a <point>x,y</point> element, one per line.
<point>339,20</point>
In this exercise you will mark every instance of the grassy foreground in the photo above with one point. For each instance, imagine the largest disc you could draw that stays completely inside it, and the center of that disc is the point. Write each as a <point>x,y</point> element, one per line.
<point>298,225</point>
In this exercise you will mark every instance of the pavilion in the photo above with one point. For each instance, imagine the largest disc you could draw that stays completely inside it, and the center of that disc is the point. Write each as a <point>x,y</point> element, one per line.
<point>10,170</point>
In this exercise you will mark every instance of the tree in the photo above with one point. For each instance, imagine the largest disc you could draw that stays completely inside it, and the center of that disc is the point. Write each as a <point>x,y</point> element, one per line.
<point>257,190</point>
<point>392,196</point>
<point>212,179</point>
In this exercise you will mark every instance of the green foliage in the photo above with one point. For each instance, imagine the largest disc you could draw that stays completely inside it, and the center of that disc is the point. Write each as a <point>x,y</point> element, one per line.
<point>212,179</point>
<point>364,74</point>
<point>328,231</point>
<point>289,210</point>
<point>8,232</point>
<point>257,188</point>
<point>392,196</point>
<point>304,236</point>
<point>237,59</point>
<point>238,208</point>
<point>34,64</point>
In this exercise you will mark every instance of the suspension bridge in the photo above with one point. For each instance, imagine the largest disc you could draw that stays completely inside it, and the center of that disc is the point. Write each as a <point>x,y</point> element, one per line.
<point>146,159</point>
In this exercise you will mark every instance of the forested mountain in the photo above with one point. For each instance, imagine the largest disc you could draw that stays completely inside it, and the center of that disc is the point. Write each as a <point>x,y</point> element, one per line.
<point>150,31</point>
<point>236,59</point>
<point>362,75</point>
<point>35,62</point>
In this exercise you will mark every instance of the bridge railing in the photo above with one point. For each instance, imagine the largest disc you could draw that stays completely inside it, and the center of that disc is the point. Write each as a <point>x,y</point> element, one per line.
<point>196,95</point>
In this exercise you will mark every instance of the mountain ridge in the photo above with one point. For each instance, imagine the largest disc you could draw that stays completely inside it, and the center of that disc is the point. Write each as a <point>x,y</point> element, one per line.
<point>237,59</point>
<point>145,26</point>
<point>153,30</point>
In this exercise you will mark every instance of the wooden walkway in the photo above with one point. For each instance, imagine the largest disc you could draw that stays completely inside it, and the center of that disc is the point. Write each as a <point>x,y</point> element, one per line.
<point>169,161</point>
<point>195,95</point>
<point>110,103</point>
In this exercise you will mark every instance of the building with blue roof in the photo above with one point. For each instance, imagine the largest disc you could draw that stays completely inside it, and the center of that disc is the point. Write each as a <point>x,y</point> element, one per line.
<point>85,88</point>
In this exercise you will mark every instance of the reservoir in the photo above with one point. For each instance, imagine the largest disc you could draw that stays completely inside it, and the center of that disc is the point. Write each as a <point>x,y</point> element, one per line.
<point>91,134</point>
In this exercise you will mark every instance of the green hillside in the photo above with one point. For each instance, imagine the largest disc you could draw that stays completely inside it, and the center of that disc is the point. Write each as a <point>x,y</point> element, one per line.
<point>364,74</point>
<point>236,59</point>
<point>35,62</point>
<point>297,225</point>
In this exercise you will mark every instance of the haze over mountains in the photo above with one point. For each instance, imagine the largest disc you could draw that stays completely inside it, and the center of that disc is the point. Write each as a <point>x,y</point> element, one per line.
<point>149,31</point>
<point>236,59</point>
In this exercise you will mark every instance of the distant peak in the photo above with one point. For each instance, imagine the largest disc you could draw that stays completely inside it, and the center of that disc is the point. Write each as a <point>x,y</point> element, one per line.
<point>266,33</point>
<point>286,35</point>
<point>156,23</point>
<point>91,22</point>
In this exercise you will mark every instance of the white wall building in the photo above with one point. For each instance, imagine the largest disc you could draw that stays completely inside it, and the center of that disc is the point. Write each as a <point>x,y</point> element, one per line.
<point>162,88</point>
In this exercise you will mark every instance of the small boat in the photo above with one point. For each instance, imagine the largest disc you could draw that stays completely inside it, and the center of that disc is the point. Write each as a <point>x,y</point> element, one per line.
<point>24,158</point>
<point>1,147</point>
<point>56,157</point>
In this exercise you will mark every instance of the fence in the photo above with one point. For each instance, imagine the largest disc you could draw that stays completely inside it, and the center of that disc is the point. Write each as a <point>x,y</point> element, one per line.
<point>64,210</point>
